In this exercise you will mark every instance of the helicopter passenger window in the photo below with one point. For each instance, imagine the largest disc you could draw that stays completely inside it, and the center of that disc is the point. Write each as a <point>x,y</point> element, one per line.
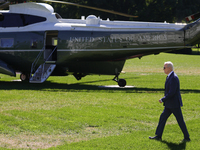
<point>6,42</point>
<point>34,43</point>
<point>19,20</point>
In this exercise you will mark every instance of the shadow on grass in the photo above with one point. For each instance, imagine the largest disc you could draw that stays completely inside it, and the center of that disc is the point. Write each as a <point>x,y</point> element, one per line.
<point>174,146</point>
<point>52,86</point>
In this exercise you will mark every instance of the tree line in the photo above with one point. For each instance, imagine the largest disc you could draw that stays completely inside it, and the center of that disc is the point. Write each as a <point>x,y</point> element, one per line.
<point>146,10</point>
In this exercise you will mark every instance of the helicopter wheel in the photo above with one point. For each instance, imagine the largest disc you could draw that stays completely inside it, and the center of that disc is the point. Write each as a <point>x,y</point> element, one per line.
<point>24,77</point>
<point>122,82</point>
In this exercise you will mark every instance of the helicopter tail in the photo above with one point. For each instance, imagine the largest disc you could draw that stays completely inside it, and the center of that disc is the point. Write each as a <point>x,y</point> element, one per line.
<point>192,32</point>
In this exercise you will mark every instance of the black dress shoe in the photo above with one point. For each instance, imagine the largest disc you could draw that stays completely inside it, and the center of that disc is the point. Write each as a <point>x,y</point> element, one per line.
<point>186,140</point>
<point>155,138</point>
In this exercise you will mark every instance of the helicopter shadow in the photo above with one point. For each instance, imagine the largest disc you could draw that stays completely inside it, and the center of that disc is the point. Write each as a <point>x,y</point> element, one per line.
<point>175,146</point>
<point>83,86</point>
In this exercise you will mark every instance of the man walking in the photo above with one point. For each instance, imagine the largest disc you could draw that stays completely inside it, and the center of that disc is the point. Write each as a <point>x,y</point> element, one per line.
<point>172,102</point>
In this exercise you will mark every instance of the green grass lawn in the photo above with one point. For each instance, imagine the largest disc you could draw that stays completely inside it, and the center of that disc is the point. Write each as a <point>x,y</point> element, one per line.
<point>64,113</point>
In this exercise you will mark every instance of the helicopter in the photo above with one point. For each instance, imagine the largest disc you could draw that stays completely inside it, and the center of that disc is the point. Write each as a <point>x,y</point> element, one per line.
<point>38,42</point>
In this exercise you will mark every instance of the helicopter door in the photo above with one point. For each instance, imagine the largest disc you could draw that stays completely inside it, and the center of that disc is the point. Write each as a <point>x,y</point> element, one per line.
<point>50,52</point>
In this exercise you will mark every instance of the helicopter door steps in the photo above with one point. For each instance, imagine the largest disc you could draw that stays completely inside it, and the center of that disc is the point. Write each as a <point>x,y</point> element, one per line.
<point>45,69</point>
<point>42,73</point>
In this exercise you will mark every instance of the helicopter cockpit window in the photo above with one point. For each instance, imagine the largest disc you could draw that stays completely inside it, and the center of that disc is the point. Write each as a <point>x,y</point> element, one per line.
<point>6,42</point>
<point>58,16</point>
<point>19,20</point>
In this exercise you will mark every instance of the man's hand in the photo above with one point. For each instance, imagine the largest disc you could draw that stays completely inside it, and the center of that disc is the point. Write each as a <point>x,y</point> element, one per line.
<point>160,101</point>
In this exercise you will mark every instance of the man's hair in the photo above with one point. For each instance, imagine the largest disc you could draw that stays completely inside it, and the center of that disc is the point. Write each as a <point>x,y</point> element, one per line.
<point>169,64</point>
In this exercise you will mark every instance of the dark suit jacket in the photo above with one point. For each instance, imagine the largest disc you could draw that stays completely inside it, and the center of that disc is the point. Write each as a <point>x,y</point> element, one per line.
<point>172,98</point>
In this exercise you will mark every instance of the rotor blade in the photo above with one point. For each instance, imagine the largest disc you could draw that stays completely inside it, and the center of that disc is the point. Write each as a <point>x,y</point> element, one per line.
<point>5,5</point>
<point>192,17</point>
<point>2,1</point>
<point>104,10</point>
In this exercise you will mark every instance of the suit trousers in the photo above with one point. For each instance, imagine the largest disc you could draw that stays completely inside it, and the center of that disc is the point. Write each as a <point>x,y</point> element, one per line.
<point>179,117</point>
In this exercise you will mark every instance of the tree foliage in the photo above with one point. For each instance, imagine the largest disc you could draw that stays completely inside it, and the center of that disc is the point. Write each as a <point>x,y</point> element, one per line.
<point>146,10</point>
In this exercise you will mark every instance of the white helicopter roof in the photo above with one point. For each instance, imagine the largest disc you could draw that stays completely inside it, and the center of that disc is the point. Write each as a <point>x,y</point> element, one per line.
<point>90,23</point>
<point>38,9</point>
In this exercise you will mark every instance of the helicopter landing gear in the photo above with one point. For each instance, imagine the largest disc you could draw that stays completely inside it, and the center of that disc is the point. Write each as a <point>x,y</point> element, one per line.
<point>24,77</point>
<point>78,76</point>
<point>121,82</point>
